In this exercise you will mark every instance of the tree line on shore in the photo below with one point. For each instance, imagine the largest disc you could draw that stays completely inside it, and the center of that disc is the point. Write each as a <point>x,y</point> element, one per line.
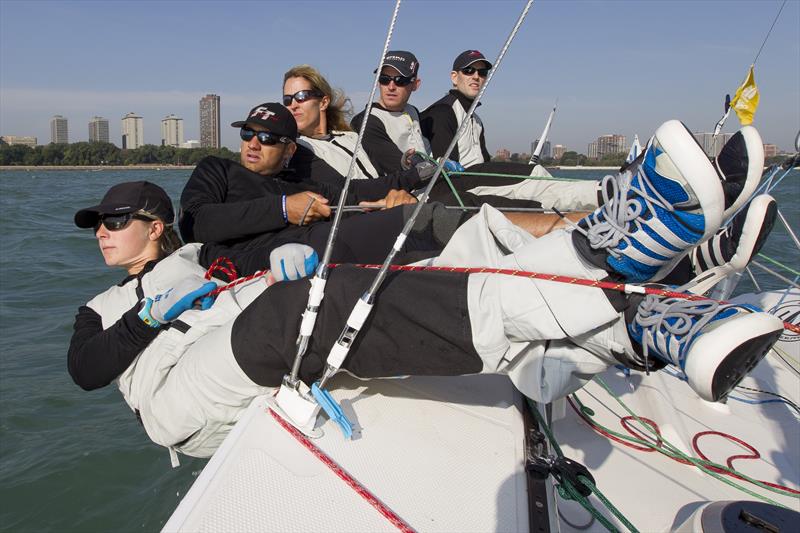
<point>571,159</point>
<point>100,153</point>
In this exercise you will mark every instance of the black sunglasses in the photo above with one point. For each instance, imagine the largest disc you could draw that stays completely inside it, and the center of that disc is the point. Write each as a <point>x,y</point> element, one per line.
<point>469,71</point>
<point>266,138</point>
<point>301,96</point>
<point>119,222</point>
<point>400,81</point>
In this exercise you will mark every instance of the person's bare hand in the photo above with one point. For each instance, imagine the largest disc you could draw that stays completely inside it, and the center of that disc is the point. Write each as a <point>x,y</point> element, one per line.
<point>306,207</point>
<point>398,197</point>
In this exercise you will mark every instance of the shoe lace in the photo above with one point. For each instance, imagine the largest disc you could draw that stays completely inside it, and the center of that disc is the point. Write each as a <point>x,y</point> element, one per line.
<point>680,319</point>
<point>610,224</point>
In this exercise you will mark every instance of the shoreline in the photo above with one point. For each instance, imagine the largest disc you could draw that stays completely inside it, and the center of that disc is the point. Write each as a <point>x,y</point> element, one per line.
<point>96,167</point>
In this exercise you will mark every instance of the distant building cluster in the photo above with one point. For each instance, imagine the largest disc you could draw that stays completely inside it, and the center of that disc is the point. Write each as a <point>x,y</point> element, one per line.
<point>712,145</point>
<point>558,151</point>
<point>172,133</point>
<point>502,154</point>
<point>609,144</point>
<point>18,139</point>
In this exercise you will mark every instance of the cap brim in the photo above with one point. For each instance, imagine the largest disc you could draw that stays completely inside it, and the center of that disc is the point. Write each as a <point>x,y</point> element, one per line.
<point>475,61</point>
<point>238,123</point>
<point>87,218</point>
<point>407,75</point>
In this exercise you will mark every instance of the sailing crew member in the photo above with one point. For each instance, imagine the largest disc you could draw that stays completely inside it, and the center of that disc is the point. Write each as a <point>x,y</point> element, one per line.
<point>548,337</point>
<point>393,126</point>
<point>442,119</point>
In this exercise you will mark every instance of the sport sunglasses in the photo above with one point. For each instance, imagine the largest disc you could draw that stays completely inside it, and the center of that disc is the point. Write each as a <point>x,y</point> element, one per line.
<point>400,81</point>
<point>266,138</point>
<point>301,96</point>
<point>120,222</point>
<point>469,71</point>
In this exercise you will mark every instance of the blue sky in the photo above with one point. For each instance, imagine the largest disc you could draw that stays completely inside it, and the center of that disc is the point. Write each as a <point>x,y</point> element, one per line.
<point>615,67</point>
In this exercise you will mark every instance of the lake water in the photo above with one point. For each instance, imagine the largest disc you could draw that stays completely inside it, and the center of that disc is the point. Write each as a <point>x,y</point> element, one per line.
<point>79,461</point>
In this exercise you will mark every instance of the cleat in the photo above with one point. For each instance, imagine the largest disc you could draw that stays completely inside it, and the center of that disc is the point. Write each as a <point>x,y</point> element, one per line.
<point>731,249</point>
<point>653,214</point>
<point>739,165</point>
<point>715,345</point>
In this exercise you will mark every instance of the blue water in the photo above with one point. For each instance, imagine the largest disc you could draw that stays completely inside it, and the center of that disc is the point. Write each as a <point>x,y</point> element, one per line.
<point>79,461</point>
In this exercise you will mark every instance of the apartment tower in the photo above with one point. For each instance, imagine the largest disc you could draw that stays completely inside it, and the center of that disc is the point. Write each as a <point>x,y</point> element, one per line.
<point>98,130</point>
<point>209,121</point>
<point>59,131</point>
<point>132,131</point>
<point>172,131</point>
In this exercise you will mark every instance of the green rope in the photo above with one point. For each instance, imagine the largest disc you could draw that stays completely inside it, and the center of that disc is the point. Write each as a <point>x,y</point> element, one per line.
<point>568,492</point>
<point>518,176</point>
<point>664,451</point>
<point>778,263</point>
<point>452,188</point>
<point>673,449</point>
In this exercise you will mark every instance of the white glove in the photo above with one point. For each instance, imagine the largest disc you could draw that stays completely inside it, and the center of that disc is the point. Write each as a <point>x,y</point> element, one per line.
<point>169,305</point>
<point>292,261</point>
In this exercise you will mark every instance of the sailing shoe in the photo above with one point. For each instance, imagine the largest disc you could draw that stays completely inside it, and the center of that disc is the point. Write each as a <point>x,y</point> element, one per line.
<point>732,248</point>
<point>652,214</point>
<point>739,166</point>
<point>714,344</point>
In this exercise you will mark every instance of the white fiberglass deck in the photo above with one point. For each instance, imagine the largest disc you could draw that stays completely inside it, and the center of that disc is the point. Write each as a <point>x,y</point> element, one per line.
<point>445,454</point>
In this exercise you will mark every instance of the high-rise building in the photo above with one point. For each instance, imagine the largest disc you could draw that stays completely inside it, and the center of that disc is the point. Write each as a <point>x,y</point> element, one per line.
<point>770,150</point>
<point>712,145</point>
<point>98,130</point>
<point>59,131</point>
<point>132,131</point>
<point>18,139</point>
<point>591,151</point>
<point>545,154</point>
<point>172,131</point>
<point>209,121</point>
<point>558,151</point>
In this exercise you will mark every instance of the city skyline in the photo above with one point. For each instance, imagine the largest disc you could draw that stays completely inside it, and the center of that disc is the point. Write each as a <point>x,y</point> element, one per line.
<point>611,68</point>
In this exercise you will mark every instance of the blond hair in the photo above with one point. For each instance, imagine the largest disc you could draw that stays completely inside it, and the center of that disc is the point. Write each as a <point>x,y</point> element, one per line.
<point>339,109</point>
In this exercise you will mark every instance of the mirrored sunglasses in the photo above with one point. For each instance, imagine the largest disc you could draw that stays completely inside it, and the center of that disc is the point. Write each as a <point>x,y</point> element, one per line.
<point>301,96</point>
<point>400,81</point>
<point>266,138</point>
<point>120,222</point>
<point>469,71</point>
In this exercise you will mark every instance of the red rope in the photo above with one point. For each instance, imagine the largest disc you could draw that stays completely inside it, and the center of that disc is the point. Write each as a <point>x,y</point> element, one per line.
<point>621,287</point>
<point>354,484</point>
<point>624,422</point>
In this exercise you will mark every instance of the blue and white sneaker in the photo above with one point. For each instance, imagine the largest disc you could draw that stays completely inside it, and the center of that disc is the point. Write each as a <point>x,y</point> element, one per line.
<point>715,345</point>
<point>739,166</point>
<point>651,216</point>
<point>730,250</point>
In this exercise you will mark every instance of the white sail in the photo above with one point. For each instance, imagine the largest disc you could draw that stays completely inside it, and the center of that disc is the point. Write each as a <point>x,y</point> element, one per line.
<point>635,150</point>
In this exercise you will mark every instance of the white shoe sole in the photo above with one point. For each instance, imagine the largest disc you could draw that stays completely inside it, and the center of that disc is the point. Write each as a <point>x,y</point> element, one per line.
<point>719,359</point>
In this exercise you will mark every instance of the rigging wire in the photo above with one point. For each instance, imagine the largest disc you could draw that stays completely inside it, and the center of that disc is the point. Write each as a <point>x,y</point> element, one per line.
<point>769,32</point>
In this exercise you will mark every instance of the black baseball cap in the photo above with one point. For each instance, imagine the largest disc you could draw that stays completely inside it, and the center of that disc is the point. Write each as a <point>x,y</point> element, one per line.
<point>468,57</point>
<point>129,197</point>
<point>273,117</point>
<point>403,62</point>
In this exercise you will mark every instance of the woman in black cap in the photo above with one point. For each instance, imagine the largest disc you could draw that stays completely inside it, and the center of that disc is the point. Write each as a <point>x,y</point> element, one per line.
<point>133,228</point>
